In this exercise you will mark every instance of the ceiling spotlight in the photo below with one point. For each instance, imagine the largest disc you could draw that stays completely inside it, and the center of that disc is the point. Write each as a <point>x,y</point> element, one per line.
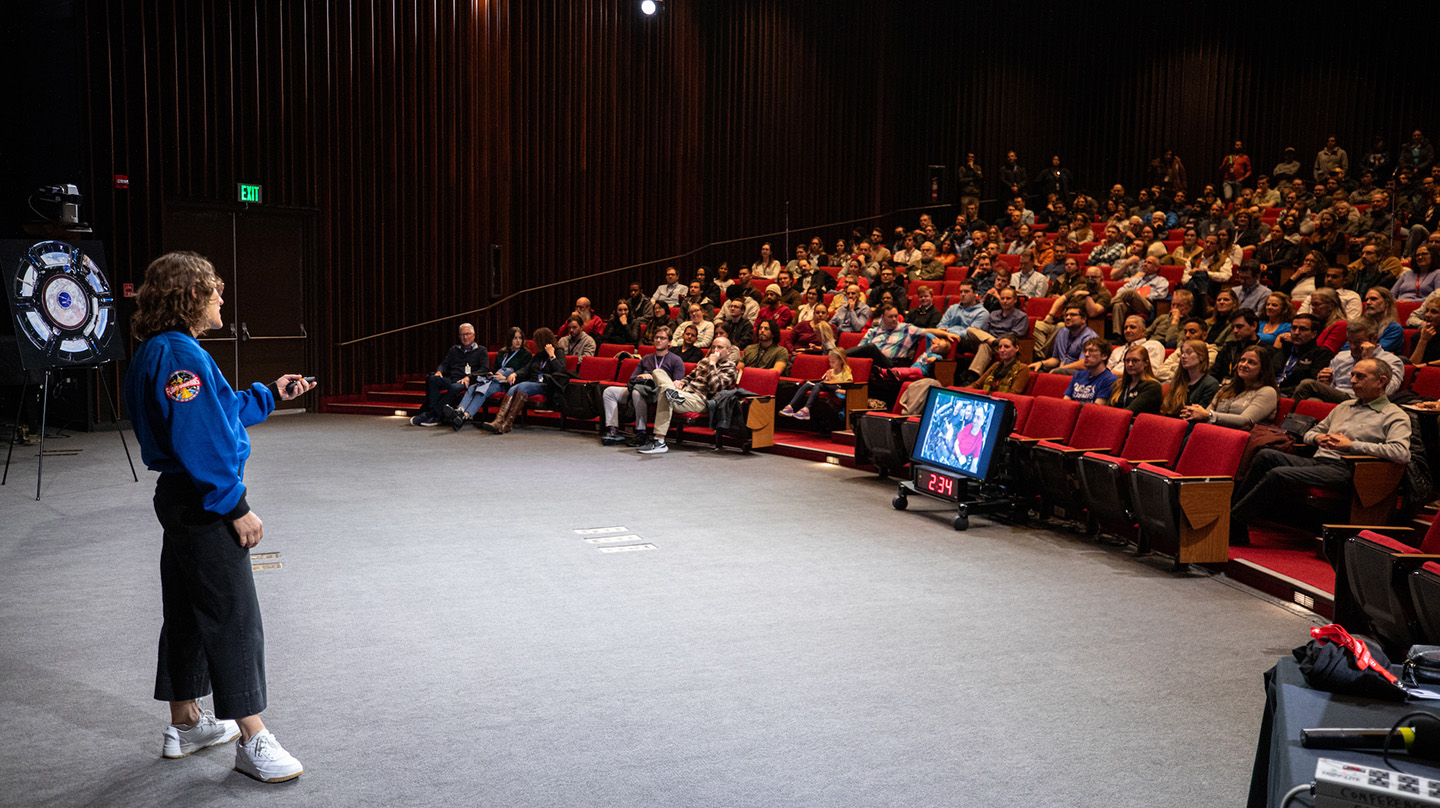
<point>650,7</point>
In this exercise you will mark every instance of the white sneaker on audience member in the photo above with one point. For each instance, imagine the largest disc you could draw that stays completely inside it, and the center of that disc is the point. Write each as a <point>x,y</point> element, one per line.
<point>263,758</point>
<point>208,731</point>
<point>656,446</point>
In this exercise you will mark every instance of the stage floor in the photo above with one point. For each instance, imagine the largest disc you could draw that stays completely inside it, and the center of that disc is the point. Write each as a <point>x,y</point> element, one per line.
<point>439,633</point>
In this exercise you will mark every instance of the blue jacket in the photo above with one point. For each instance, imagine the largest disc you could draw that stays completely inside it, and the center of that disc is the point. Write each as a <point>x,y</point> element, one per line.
<point>189,421</point>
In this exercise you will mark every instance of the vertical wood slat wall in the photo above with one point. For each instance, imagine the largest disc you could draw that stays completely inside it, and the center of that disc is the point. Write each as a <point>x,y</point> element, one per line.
<point>582,136</point>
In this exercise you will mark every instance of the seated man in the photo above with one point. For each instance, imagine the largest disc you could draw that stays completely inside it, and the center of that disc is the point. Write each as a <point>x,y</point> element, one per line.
<point>1208,270</point>
<point>716,372</point>
<point>1006,320</point>
<point>809,276</point>
<point>462,363</point>
<point>889,343</point>
<point>1375,266</point>
<point>1166,328</point>
<point>1368,425</point>
<point>924,314</point>
<point>670,291</point>
<point>765,352</point>
<point>1140,294</point>
<point>576,342</point>
<point>1068,356</point>
<point>1244,326</point>
<point>1093,381</point>
<point>594,324</point>
<point>1134,334</point>
<point>851,313</point>
<point>1252,294</point>
<point>737,326</point>
<point>1109,251</point>
<point>1029,281</point>
<point>774,312</point>
<point>1191,329</point>
<point>1299,356</point>
<point>1090,294</point>
<point>964,314</point>
<point>928,268</point>
<point>694,295</point>
<point>689,349</point>
<point>1338,278</point>
<point>785,285</point>
<point>1332,384</point>
<point>887,283</point>
<point>640,394</point>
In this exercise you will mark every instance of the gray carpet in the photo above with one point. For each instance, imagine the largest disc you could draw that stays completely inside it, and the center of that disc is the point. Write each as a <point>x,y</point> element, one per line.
<point>440,635</point>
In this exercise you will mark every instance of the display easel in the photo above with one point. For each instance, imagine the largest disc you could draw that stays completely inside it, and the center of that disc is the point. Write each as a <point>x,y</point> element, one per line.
<point>44,415</point>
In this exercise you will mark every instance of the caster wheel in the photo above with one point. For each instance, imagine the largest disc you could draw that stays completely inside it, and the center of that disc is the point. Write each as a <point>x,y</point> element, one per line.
<point>900,503</point>
<point>961,522</point>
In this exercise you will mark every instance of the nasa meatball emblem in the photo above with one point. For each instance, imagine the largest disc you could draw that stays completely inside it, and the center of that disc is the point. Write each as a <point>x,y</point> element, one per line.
<point>182,386</point>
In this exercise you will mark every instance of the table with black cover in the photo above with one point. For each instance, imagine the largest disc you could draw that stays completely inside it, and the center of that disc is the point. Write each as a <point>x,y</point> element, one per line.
<point>1292,705</point>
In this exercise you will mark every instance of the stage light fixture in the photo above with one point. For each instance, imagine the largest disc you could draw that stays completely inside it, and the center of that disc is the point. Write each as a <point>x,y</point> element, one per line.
<point>651,7</point>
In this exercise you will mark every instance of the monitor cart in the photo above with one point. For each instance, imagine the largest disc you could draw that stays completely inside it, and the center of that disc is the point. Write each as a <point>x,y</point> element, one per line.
<point>937,484</point>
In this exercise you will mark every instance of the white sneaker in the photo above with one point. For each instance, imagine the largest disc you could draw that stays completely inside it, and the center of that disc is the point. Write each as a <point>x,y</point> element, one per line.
<point>208,731</point>
<point>263,758</point>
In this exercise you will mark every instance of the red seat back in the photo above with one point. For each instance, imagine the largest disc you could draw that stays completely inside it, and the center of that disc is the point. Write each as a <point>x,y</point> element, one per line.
<point>1100,428</point>
<point>1314,408</point>
<point>761,381</point>
<point>1427,382</point>
<point>1051,385</point>
<point>809,366</point>
<point>859,369</point>
<point>1038,307</point>
<point>955,274</point>
<point>1212,451</point>
<point>598,368</point>
<point>1051,418</point>
<point>571,363</point>
<point>1154,437</point>
<point>1022,408</point>
<point>1284,407</point>
<point>1172,273</point>
<point>627,367</point>
<point>610,349</point>
<point>848,339</point>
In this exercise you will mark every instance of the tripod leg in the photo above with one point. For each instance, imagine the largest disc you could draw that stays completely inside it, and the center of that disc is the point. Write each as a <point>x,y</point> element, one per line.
<point>44,414</point>
<point>115,419</point>
<point>13,432</point>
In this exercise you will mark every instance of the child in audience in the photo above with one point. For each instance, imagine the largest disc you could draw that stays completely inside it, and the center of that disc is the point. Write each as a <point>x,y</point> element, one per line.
<point>924,367</point>
<point>837,374</point>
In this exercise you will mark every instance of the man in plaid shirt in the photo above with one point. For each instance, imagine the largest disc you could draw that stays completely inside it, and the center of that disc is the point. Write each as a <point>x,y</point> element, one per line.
<point>1108,252</point>
<point>712,374</point>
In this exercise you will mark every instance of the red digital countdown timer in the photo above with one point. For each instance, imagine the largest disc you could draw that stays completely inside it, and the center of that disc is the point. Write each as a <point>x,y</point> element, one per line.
<point>940,485</point>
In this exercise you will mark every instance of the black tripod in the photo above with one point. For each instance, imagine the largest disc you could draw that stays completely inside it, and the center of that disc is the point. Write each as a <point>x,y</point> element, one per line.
<point>44,414</point>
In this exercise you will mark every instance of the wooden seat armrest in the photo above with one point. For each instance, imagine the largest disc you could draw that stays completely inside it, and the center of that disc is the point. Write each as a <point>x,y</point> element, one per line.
<point>1151,462</point>
<point>1201,479</point>
<point>1069,450</point>
<point>1350,530</point>
<point>1365,459</point>
<point>1026,439</point>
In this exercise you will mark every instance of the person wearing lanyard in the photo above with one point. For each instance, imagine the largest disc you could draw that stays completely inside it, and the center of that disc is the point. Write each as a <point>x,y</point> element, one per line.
<point>191,428</point>
<point>507,362</point>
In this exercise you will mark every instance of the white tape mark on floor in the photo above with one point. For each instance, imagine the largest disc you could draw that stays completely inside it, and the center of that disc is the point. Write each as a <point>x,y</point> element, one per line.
<point>627,548</point>
<point>612,539</point>
<point>595,531</point>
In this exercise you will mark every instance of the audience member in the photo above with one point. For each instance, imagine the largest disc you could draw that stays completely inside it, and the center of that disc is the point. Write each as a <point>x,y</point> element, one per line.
<point>765,352</point>
<point>514,357</point>
<point>1277,316</point>
<point>767,267</point>
<point>658,317</point>
<point>716,372</point>
<point>621,328</point>
<point>1109,251</point>
<point>1218,323</point>
<point>1136,389</point>
<point>1139,295</point>
<point>576,342</point>
<point>695,296</point>
<point>850,314</point>
<point>1249,291</point>
<point>1421,279</point>
<point>1301,356</point>
<point>704,327</point>
<point>531,380</point>
<point>1006,374</point>
<point>887,283</point>
<point>1380,307</point>
<point>1332,383</point>
<point>738,330</point>
<point>1191,383</point>
<point>1427,348</point>
<point>1244,328</point>
<point>670,291</point>
<point>689,350</point>
<point>464,362</point>
<point>1005,320</point>
<point>1069,344</point>
<point>640,390</point>
<point>1192,329</point>
<point>1165,329</point>
<point>1338,279</point>
<point>774,312</point>
<point>1133,330</point>
<point>1329,158</point>
<point>836,374</point>
<point>924,314</point>
<point>1093,381</point>
<point>593,323</point>
<point>1368,425</point>
<point>1247,399</point>
<point>1029,281</point>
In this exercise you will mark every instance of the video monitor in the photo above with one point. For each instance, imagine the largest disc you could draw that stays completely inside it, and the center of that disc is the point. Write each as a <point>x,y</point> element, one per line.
<point>960,430</point>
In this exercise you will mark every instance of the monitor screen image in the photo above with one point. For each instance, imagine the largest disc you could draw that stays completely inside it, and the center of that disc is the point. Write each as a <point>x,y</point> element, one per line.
<point>960,430</point>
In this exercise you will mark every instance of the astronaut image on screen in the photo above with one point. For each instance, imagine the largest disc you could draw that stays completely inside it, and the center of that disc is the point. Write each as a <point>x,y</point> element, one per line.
<point>956,437</point>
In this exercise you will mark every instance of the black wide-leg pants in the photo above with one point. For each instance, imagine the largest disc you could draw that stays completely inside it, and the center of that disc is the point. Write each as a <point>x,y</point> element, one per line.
<point>212,638</point>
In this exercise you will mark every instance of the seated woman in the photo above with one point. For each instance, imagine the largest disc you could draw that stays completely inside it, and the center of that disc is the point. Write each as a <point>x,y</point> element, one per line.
<point>1247,399</point>
<point>1006,374</point>
<point>621,328</point>
<point>1380,306</point>
<point>812,335</point>
<point>530,380</point>
<point>1218,323</point>
<point>1427,347</point>
<point>1137,390</point>
<point>1193,383</point>
<point>1024,241</point>
<point>507,362</point>
<point>1308,277</point>
<point>1188,248</point>
<point>1278,313</point>
<point>659,315</point>
<point>1421,279</point>
<point>704,329</point>
<point>837,374</point>
<point>1325,304</point>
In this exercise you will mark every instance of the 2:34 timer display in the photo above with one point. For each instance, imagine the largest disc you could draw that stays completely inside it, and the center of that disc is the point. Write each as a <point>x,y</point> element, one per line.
<point>937,484</point>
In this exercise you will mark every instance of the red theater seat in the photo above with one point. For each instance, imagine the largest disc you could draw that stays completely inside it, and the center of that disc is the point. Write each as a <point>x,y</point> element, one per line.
<point>1057,463</point>
<point>1105,478</point>
<point>1184,512</point>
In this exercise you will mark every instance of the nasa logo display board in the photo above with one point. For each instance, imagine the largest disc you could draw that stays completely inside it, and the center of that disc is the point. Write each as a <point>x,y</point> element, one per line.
<point>64,309</point>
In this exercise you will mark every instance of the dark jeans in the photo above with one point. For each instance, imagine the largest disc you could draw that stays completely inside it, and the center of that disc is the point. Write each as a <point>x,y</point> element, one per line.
<point>870,350</point>
<point>212,635</point>
<point>1270,486</point>
<point>440,390</point>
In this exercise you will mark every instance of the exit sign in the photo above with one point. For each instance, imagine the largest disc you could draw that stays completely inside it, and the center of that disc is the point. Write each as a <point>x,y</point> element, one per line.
<point>247,193</point>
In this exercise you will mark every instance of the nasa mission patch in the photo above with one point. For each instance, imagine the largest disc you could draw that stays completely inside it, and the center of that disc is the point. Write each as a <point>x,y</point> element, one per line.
<point>182,386</point>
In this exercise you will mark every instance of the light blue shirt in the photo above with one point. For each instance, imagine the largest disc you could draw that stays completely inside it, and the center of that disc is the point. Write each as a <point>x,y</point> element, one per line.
<point>958,319</point>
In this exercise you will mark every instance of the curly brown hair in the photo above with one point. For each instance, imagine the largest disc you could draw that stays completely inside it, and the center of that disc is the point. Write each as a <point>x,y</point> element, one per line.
<point>175,294</point>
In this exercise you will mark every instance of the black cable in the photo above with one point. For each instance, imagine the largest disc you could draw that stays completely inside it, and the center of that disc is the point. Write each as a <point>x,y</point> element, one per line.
<point>1395,728</point>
